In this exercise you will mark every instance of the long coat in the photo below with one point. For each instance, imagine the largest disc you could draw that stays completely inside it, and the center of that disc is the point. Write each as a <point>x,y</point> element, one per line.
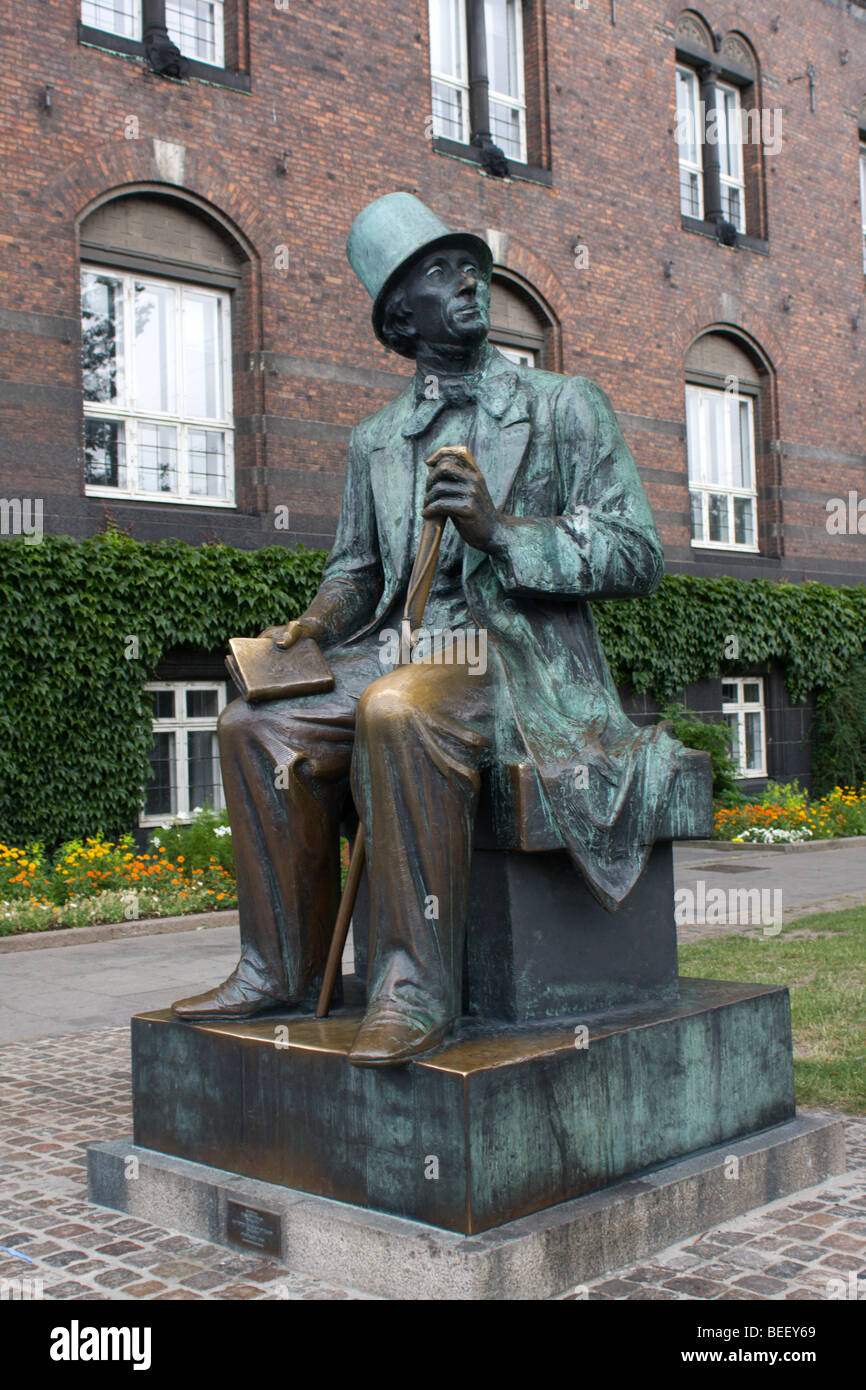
<point>554,458</point>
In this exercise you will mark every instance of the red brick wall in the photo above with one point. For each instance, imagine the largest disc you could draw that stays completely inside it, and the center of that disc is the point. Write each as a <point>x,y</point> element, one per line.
<point>344,89</point>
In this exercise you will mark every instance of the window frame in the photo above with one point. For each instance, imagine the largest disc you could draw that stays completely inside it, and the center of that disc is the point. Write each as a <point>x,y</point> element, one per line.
<point>218,60</point>
<point>111,6</point>
<point>739,708</point>
<point>518,102</point>
<point>132,418</point>
<point>730,181</point>
<point>451,80</point>
<point>693,169</point>
<point>749,397</point>
<point>180,726</point>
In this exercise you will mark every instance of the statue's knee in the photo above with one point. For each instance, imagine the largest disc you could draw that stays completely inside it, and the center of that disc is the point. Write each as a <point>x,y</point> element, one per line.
<point>385,705</point>
<point>234,722</point>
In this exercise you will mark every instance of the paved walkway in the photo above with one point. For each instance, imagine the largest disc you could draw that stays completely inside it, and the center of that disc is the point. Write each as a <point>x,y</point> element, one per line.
<point>57,1097</point>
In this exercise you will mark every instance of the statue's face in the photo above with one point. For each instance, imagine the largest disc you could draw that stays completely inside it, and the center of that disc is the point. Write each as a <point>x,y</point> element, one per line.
<point>448,298</point>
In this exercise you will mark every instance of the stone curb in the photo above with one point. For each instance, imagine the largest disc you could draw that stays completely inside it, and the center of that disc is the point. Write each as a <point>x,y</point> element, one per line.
<point>842,842</point>
<point>110,931</point>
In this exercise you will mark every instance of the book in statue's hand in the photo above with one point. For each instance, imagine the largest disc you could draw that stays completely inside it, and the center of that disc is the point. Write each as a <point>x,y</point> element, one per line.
<point>263,671</point>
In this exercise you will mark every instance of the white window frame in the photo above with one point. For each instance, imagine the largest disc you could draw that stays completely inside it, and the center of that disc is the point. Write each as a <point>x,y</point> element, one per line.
<point>738,709</point>
<point>181,725</point>
<point>517,100</point>
<point>521,357</point>
<point>863,199</point>
<point>698,451</point>
<point>130,418</point>
<point>90,17</point>
<point>453,80</point>
<point>218,60</point>
<point>731,141</point>
<point>685,164</point>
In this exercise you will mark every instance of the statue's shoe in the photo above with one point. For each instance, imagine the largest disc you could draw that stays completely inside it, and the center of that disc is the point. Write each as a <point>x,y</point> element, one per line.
<point>388,1037</point>
<point>232,999</point>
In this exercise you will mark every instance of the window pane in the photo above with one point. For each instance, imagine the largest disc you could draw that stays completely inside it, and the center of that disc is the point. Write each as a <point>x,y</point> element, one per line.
<point>697,501</point>
<point>693,434</point>
<point>157,458</point>
<point>102,337</point>
<point>207,464</point>
<point>730,135</point>
<point>745,436</point>
<point>718,517</point>
<point>505,129</point>
<point>203,769</point>
<point>690,193</point>
<point>113,16</point>
<point>687,131</point>
<point>104,453</point>
<point>503,58</point>
<point>449,111</point>
<point>162,704</point>
<point>733,723</point>
<point>729,692</point>
<point>754,747</point>
<point>716,467</point>
<point>447,42</point>
<point>202,704</point>
<point>202,356</point>
<point>155,367</point>
<point>196,27</point>
<point>744,520</point>
<point>751,692</point>
<point>161,795</point>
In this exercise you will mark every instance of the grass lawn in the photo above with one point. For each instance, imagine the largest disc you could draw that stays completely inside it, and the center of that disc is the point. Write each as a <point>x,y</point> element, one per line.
<point>822,960</point>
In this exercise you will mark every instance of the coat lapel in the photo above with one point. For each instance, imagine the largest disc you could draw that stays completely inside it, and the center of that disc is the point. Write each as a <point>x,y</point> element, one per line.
<point>500,445</point>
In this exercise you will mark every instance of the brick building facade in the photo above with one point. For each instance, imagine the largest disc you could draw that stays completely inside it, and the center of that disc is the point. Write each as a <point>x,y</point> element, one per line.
<point>709,289</point>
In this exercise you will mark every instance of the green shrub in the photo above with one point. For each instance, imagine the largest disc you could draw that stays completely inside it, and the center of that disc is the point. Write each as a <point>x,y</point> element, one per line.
<point>711,738</point>
<point>839,733</point>
<point>197,842</point>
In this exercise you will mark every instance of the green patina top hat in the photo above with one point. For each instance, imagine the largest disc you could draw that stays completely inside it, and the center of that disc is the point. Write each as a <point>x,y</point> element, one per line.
<point>389,233</point>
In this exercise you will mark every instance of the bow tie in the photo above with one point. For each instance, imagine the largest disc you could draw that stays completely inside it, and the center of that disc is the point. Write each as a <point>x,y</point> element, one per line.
<point>493,391</point>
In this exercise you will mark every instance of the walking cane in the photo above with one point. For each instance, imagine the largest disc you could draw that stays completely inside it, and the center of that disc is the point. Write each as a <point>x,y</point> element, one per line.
<point>416,599</point>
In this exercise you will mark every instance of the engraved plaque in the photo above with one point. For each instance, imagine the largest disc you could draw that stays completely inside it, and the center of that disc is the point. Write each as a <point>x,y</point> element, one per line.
<point>253,1228</point>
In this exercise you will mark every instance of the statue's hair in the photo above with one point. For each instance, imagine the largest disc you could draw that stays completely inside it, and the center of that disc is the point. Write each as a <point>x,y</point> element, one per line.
<point>395,317</point>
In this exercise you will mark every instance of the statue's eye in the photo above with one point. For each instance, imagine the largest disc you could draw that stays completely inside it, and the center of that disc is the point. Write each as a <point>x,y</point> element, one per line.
<point>434,270</point>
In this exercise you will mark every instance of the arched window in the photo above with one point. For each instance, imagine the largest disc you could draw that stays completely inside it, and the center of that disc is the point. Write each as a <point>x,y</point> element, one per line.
<point>520,326</point>
<point>726,406</point>
<point>157,282</point>
<point>721,129</point>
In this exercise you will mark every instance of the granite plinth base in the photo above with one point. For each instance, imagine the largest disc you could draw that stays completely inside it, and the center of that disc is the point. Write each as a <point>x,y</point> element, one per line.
<point>538,1256</point>
<point>497,1123</point>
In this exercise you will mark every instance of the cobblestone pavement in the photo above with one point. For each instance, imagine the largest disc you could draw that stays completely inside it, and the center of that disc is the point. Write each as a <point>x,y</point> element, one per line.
<point>59,1094</point>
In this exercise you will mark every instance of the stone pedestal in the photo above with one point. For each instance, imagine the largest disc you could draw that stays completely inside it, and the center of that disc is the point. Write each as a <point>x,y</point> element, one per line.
<point>540,946</point>
<point>501,1122</point>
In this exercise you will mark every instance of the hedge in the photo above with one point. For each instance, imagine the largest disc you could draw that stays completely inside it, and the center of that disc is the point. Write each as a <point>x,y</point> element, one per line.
<point>84,624</point>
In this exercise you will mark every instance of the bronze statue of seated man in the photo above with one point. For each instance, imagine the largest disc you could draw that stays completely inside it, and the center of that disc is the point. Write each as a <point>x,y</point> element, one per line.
<point>545,511</point>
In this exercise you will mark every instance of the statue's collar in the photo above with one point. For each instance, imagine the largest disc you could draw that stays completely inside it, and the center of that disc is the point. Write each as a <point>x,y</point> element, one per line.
<point>493,387</point>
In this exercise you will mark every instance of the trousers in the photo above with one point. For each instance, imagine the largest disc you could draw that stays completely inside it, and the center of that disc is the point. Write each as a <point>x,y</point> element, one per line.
<point>410,746</point>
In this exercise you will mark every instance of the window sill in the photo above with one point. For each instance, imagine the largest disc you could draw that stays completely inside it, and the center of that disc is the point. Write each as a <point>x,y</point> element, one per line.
<point>726,546</point>
<point>157,498</point>
<point>708,229</point>
<point>134,48</point>
<point>468,154</point>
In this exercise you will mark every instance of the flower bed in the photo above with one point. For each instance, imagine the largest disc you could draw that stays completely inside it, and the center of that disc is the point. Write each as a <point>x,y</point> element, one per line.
<point>784,814</point>
<point>98,880</point>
